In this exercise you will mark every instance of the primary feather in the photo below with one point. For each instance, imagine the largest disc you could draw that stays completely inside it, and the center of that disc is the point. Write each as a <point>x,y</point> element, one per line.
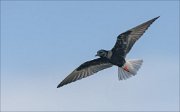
<point>86,69</point>
<point>126,40</point>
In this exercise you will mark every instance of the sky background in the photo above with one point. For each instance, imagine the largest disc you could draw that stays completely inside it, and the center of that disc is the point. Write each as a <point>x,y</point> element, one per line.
<point>42,42</point>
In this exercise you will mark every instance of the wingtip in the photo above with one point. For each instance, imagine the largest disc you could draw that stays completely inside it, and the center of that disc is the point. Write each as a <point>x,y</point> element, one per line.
<point>59,86</point>
<point>156,17</point>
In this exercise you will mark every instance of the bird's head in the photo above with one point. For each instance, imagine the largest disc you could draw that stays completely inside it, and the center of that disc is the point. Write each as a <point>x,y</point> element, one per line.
<point>102,53</point>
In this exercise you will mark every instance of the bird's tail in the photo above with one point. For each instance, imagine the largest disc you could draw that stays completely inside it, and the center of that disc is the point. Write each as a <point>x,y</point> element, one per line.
<point>129,69</point>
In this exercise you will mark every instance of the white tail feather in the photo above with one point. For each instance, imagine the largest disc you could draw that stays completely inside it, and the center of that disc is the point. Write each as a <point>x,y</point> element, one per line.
<point>129,69</point>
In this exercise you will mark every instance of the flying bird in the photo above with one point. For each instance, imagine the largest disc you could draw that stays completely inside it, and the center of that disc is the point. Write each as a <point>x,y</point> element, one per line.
<point>116,56</point>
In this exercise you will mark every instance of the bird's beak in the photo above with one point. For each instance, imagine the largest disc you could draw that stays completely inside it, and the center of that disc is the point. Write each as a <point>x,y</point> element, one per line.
<point>96,55</point>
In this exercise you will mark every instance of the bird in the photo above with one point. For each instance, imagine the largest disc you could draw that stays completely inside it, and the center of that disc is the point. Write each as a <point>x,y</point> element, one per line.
<point>114,57</point>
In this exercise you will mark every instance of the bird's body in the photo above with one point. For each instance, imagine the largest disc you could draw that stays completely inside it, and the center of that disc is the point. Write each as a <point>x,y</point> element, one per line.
<point>115,56</point>
<point>117,60</point>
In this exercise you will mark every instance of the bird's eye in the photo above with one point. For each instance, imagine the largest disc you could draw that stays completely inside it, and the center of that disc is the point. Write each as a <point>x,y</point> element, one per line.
<point>101,52</point>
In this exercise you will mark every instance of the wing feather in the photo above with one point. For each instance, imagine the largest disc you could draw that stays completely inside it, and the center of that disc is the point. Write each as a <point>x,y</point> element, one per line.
<point>86,69</point>
<point>126,40</point>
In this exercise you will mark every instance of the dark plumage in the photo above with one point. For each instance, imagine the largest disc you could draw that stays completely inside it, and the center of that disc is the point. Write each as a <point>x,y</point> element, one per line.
<point>115,56</point>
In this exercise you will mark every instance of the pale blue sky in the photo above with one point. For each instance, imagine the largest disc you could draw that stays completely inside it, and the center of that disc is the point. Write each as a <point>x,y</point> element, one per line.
<point>42,42</point>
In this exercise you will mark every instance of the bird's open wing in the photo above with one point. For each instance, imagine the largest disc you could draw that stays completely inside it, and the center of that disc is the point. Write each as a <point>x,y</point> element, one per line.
<point>126,40</point>
<point>86,69</point>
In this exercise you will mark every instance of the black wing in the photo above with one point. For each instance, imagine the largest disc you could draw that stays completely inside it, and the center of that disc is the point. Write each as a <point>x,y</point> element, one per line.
<point>126,40</point>
<point>86,69</point>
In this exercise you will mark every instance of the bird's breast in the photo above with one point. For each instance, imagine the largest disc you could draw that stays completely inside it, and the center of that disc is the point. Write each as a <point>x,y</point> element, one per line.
<point>117,60</point>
